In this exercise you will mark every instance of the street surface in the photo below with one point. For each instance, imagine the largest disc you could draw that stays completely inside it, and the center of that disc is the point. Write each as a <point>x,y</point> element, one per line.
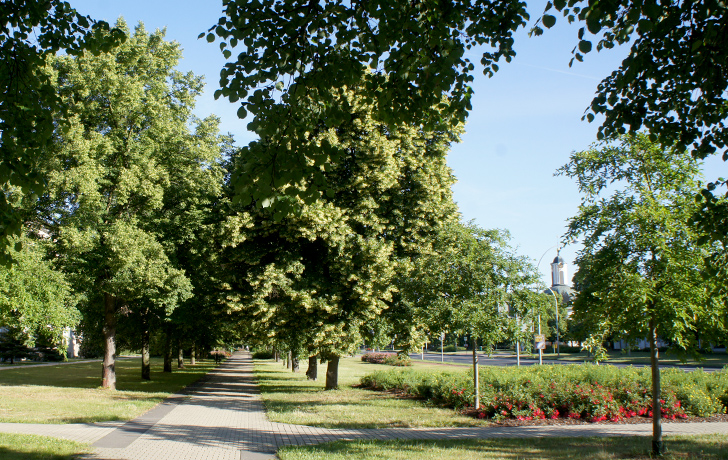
<point>500,359</point>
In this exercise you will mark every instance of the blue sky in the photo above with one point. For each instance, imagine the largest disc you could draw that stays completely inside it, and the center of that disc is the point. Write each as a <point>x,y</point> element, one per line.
<point>525,122</point>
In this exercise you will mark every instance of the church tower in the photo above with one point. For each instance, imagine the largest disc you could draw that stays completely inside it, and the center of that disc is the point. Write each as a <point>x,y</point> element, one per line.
<point>558,271</point>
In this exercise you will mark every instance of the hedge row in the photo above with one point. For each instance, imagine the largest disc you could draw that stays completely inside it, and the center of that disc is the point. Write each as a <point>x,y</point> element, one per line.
<point>589,392</point>
<point>393,359</point>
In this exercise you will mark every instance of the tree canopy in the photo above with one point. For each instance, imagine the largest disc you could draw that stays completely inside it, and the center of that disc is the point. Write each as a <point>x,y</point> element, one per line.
<point>30,34</point>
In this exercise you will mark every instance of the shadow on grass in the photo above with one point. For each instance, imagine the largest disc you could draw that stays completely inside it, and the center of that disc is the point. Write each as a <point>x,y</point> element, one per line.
<point>8,454</point>
<point>707,447</point>
<point>88,375</point>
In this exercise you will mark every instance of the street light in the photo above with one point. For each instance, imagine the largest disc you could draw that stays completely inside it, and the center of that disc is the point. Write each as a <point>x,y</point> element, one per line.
<point>556,305</point>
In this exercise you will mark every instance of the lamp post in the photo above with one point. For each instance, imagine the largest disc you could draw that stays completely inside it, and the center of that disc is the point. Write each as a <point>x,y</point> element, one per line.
<point>538,268</point>
<point>556,305</point>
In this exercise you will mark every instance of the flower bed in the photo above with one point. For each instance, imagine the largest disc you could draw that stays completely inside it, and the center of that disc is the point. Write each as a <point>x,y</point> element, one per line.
<point>392,359</point>
<point>586,392</point>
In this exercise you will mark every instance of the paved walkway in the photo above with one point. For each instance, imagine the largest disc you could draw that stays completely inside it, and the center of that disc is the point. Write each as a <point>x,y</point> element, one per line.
<point>223,418</point>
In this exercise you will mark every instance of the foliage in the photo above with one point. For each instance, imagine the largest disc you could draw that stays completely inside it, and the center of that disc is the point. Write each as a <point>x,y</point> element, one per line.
<point>392,359</point>
<point>674,81</point>
<point>30,33</point>
<point>417,45</point>
<point>35,297</point>
<point>640,256</point>
<point>320,277</point>
<point>589,392</point>
<point>130,179</point>
<point>479,280</point>
<point>263,354</point>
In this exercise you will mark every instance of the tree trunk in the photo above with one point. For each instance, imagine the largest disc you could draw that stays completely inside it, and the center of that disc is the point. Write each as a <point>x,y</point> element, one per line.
<point>108,370</point>
<point>168,352</point>
<point>193,356</point>
<point>476,379</point>
<point>180,358</point>
<point>332,373</point>
<point>146,368</point>
<point>289,360</point>
<point>312,371</point>
<point>275,354</point>
<point>295,367</point>
<point>656,406</point>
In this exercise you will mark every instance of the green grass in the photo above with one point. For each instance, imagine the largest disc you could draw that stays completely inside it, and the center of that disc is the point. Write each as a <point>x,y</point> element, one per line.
<point>707,447</point>
<point>71,393</point>
<point>29,447</point>
<point>291,398</point>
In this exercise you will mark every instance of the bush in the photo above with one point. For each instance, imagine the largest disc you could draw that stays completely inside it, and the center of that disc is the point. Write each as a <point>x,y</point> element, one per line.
<point>566,349</point>
<point>263,354</point>
<point>391,359</point>
<point>588,392</point>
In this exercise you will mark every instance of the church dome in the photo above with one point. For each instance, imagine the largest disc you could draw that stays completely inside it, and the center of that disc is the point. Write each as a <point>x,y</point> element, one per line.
<point>558,260</point>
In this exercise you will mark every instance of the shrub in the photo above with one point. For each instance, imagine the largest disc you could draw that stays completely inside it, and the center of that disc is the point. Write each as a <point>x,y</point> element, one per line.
<point>391,359</point>
<point>588,392</point>
<point>263,354</point>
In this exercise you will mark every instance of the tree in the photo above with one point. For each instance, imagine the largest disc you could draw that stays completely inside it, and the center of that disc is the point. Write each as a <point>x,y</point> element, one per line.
<point>639,269</point>
<point>35,298</point>
<point>316,278</point>
<point>31,33</point>
<point>124,170</point>
<point>476,275</point>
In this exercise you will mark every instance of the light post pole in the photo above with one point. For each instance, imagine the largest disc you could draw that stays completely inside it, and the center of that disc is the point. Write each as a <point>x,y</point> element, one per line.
<point>556,305</point>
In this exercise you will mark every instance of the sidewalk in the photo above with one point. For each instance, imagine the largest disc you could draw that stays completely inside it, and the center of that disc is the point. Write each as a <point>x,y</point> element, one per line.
<point>223,418</point>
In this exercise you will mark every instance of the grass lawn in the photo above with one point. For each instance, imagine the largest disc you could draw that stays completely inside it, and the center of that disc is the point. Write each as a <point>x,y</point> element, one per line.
<point>29,447</point>
<point>706,447</point>
<point>71,393</point>
<point>291,398</point>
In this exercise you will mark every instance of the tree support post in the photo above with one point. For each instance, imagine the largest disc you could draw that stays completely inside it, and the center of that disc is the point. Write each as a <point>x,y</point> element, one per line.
<point>657,446</point>
<point>476,377</point>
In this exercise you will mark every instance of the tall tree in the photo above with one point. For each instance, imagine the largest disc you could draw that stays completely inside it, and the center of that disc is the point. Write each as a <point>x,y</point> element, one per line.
<point>639,270</point>
<point>316,277</point>
<point>30,33</point>
<point>125,165</point>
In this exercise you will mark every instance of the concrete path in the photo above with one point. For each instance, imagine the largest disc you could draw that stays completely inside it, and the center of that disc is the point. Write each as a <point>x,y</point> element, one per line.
<point>223,418</point>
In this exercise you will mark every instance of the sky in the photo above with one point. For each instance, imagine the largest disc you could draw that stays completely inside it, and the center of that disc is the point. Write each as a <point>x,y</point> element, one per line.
<point>525,122</point>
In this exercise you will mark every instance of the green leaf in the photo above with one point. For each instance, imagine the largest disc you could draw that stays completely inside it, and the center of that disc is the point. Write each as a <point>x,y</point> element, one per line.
<point>585,46</point>
<point>548,20</point>
<point>210,38</point>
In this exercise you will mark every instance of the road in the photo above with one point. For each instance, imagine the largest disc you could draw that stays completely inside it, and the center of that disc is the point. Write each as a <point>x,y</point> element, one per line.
<point>510,360</point>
